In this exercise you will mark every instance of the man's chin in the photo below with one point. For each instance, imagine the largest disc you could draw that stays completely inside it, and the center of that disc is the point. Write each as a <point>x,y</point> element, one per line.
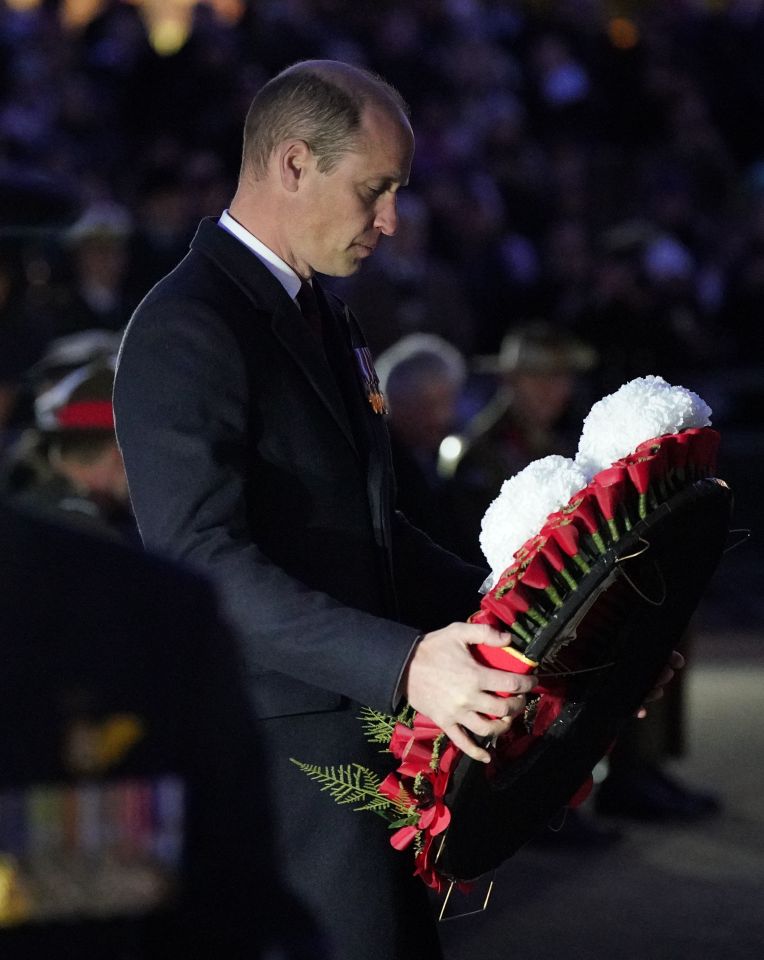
<point>342,266</point>
<point>349,268</point>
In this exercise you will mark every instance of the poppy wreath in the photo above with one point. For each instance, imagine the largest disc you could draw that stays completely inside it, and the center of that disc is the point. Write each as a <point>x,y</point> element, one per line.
<point>521,597</point>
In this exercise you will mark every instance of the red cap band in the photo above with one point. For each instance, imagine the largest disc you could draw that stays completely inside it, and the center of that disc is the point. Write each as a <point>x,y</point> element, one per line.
<point>86,415</point>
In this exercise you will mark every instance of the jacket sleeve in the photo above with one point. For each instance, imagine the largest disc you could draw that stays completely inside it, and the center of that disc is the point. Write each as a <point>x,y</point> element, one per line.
<point>181,409</point>
<point>434,586</point>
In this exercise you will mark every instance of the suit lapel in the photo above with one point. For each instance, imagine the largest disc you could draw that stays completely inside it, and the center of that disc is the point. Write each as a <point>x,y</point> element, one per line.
<point>286,320</point>
<point>379,474</point>
<point>300,342</point>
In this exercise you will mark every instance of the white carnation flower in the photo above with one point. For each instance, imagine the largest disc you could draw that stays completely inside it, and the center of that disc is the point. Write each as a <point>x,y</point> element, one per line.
<point>522,506</point>
<point>640,410</point>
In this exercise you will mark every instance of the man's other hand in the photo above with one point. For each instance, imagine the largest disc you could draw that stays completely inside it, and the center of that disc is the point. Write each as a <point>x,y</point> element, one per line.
<point>676,662</point>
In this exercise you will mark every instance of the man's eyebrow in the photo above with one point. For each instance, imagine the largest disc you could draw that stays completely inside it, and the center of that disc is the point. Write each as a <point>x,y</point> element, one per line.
<point>388,179</point>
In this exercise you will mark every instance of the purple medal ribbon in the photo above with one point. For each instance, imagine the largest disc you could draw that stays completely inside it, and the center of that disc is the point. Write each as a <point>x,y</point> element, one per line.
<point>370,380</point>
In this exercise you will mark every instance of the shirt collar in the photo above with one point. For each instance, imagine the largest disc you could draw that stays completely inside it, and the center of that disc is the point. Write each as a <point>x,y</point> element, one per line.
<point>278,267</point>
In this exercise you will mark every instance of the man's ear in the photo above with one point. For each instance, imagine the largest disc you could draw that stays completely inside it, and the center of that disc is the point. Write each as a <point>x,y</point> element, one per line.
<point>294,159</point>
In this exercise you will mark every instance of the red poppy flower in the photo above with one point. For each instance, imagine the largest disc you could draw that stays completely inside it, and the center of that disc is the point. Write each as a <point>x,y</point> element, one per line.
<point>483,615</point>
<point>403,837</point>
<point>565,535</point>
<point>678,445</point>
<point>639,473</point>
<point>581,508</point>
<point>425,728</point>
<point>704,447</point>
<point>536,574</point>
<point>401,737</point>
<point>501,606</point>
<point>425,867</point>
<point>608,489</point>
<point>435,818</point>
<point>392,789</point>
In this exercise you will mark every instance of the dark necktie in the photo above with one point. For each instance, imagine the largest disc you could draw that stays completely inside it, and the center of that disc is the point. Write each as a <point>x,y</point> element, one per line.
<point>309,306</point>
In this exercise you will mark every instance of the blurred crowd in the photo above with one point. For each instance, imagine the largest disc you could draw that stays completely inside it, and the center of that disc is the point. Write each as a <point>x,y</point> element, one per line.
<point>604,173</point>
<point>586,206</point>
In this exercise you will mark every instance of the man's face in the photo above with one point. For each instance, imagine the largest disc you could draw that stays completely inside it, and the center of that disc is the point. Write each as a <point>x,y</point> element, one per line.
<point>344,212</point>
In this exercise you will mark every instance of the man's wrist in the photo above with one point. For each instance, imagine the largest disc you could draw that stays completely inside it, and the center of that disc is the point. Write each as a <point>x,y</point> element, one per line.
<point>399,696</point>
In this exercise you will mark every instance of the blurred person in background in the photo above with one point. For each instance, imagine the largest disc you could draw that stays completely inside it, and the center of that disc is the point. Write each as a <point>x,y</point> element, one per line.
<point>499,265</point>
<point>637,785</point>
<point>96,293</point>
<point>531,415</point>
<point>164,221</point>
<point>568,262</point>
<point>24,462</point>
<point>644,314</point>
<point>86,487</point>
<point>422,377</point>
<point>20,344</point>
<point>616,315</point>
<point>131,769</point>
<point>742,306</point>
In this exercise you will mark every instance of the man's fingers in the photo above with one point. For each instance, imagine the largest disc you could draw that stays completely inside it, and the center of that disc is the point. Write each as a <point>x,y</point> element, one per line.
<point>502,681</point>
<point>445,682</point>
<point>664,677</point>
<point>655,694</point>
<point>482,633</point>
<point>501,707</point>
<point>676,660</point>
<point>483,727</point>
<point>466,744</point>
<point>516,706</point>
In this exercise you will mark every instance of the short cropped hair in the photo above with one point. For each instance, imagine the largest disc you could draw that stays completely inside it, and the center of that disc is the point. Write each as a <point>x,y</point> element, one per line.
<point>318,101</point>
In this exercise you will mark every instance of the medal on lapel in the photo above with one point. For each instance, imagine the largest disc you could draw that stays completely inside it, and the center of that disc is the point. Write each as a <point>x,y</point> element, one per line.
<point>365,365</point>
<point>369,379</point>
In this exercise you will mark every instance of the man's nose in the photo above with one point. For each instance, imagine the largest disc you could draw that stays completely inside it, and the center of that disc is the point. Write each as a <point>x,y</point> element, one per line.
<point>386,219</point>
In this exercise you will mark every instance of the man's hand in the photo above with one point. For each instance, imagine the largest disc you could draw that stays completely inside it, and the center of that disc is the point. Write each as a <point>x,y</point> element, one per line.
<point>676,662</point>
<point>445,683</point>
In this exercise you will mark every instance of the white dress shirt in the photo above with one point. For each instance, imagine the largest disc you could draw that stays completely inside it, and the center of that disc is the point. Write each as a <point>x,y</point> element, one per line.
<point>278,267</point>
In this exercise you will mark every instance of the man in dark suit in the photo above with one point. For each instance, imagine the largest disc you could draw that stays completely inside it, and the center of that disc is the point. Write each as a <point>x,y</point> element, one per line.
<point>256,450</point>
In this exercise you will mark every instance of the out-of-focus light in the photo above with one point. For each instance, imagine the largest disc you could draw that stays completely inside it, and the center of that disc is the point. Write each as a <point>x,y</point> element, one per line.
<point>76,14</point>
<point>21,6</point>
<point>229,11</point>
<point>168,36</point>
<point>168,23</point>
<point>623,33</point>
<point>448,454</point>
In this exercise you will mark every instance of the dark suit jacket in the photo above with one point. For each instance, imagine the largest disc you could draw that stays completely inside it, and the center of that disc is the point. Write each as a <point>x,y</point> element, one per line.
<point>253,458</point>
<point>244,459</point>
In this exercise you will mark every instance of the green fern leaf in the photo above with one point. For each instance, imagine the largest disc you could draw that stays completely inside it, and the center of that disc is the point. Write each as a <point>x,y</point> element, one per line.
<point>377,727</point>
<point>406,716</point>
<point>351,784</point>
